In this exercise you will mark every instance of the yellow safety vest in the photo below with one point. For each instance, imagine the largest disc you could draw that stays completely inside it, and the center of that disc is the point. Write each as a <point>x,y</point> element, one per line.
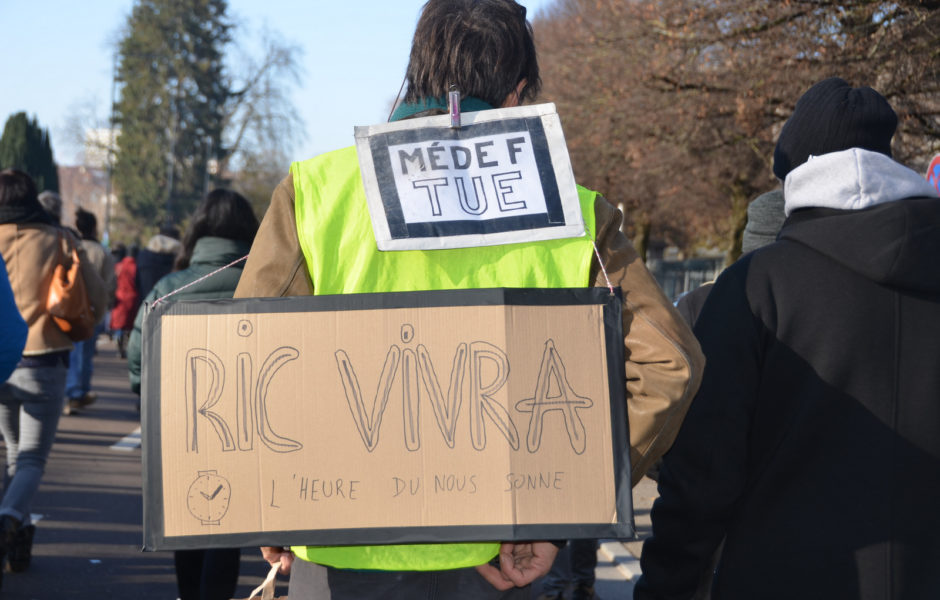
<point>335,233</point>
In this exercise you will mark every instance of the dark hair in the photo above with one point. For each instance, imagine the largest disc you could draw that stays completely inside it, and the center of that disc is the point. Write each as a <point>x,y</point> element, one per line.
<point>170,231</point>
<point>118,251</point>
<point>483,47</point>
<point>86,223</point>
<point>224,214</point>
<point>17,188</point>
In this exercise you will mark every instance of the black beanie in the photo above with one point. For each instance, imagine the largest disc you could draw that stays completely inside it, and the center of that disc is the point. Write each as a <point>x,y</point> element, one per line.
<point>833,116</point>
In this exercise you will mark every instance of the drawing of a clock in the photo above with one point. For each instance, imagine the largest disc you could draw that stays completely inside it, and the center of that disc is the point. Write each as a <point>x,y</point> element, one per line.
<point>208,497</point>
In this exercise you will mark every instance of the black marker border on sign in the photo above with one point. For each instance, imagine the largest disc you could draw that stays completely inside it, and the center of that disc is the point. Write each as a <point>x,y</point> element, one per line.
<point>154,534</point>
<point>399,229</point>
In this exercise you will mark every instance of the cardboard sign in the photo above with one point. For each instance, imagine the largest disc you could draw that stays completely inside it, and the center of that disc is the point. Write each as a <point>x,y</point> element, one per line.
<point>933,173</point>
<point>503,177</point>
<point>385,418</point>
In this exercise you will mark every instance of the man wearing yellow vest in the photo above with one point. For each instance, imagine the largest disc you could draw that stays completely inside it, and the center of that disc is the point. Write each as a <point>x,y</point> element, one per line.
<point>316,238</point>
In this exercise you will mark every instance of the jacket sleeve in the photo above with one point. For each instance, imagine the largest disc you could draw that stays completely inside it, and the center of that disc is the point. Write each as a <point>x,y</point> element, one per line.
<point>276,265</point>
<point>135,341</point>
<point>704,474</point>
<point>663,360</point>
<point>14,330</point>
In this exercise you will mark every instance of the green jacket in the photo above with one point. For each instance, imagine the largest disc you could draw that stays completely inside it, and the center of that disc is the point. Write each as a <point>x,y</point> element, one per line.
<point>209,254</point>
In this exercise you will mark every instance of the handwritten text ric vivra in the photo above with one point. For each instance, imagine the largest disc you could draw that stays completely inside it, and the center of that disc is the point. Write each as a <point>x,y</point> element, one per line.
<point>415,369</point>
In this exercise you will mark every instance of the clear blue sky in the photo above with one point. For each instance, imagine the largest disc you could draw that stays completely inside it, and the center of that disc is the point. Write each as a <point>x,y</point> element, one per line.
<point>57,57</point>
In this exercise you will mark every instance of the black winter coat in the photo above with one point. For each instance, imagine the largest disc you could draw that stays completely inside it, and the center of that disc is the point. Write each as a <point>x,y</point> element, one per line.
<point>814,441</point>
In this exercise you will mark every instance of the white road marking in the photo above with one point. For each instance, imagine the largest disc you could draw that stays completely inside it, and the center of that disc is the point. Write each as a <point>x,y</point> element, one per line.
<point>130,442</point>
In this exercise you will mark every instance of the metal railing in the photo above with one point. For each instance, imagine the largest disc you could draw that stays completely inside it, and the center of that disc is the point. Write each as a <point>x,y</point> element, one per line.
<point>679,276</point>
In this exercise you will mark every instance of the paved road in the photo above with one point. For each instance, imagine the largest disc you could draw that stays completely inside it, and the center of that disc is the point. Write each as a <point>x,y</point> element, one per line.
<point>88,538</point>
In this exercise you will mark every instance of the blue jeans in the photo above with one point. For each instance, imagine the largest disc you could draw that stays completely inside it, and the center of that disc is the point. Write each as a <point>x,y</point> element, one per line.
<point>578,569</point>
<point>78,381</point>
<point>30,405</point>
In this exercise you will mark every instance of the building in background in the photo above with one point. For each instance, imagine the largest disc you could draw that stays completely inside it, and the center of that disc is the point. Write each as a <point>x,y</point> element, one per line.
<point>87,185</point>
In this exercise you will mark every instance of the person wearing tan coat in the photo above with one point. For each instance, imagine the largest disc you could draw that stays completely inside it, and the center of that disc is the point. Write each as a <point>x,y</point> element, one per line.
<point>663,360</point>
<point>31,399</point>
<point>484,49</point>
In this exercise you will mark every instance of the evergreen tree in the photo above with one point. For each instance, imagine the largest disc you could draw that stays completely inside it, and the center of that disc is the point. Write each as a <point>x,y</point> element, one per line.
<point>26,146</point>
<point>171,105</point>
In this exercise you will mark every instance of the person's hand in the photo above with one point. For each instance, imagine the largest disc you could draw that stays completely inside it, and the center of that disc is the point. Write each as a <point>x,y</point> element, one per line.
<point>491,572</point>
<point>524,562</point>
<point>278,554</point>
<point>520,564</point>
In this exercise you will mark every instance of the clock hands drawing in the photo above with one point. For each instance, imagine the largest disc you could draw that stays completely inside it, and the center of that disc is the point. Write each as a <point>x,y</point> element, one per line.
<point>214,493</point>
<point>208,497</point>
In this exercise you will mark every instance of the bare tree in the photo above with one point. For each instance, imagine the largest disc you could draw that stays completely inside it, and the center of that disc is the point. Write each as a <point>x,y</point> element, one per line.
<point>671,108</point>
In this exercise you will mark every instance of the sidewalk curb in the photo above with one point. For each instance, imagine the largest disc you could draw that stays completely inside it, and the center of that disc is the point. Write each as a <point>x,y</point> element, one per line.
<point>615,552</point>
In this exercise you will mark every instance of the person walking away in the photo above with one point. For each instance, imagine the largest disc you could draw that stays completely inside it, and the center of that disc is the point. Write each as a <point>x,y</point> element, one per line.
<point>78,380</point>
<point>31,399</point>
<point>809,445</point>
<point>221,231</point>
<point>52,203</point>
<point>157,258</point>
<point>126,300</point>
<point>316,236</point>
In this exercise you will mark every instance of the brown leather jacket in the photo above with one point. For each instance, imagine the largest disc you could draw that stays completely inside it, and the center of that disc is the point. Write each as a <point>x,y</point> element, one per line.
<point>663,360</point>
<point>31,252</point>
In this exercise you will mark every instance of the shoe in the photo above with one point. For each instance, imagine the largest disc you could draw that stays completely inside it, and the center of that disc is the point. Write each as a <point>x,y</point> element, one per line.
<point>73,405</point>
<point>583,592</point>
<point>20,553</point>
<point>8,529</point>
<point>87,398</point>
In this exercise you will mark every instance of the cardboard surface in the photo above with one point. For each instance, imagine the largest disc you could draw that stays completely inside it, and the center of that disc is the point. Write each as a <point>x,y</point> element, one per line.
<point>385,418</point>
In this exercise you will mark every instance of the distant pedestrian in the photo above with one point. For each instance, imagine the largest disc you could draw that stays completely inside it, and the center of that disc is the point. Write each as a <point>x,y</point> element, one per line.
<point>813,445</point>
<point>221,231</point>
<point>78,382</point>
<point>126,299</point>
<point>31,399</point>
<point>157,258</point>
<point>52,203</point>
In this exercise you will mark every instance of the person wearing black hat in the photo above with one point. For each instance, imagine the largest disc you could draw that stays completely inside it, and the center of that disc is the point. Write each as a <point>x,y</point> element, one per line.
<point>813,442</point>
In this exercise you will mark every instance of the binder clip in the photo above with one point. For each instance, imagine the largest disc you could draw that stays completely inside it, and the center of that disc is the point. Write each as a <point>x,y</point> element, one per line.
<point>453,105</point>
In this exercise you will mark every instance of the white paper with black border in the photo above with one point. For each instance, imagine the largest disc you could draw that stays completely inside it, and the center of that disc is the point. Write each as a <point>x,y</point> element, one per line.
<point>504,177</point>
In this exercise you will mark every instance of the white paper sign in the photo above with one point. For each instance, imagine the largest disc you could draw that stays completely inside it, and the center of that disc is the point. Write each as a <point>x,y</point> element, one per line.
<point>503,177</point>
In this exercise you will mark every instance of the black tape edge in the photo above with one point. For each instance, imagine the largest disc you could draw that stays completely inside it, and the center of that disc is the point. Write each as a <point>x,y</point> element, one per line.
<point>400,535</point>
<point>623,528</point>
